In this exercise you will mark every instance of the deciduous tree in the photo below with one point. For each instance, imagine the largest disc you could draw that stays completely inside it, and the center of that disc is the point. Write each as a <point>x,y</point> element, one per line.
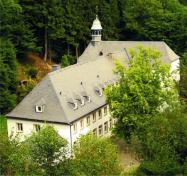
<point>146,87</point>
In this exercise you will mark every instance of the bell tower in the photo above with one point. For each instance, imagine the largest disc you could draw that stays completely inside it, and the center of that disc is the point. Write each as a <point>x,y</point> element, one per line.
<point>96,31</point>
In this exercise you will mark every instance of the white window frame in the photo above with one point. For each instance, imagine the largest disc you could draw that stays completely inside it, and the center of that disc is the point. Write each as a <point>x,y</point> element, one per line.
<point>100,128</point>
<point>82,124</point>
<point>39,108</point>
<point>106,127</point>
<point>105,110</point>
<point>19,127</point>
<point>88,120</point>
<point>37,127</point>
<point>100,113</point>
<point>94,115</point>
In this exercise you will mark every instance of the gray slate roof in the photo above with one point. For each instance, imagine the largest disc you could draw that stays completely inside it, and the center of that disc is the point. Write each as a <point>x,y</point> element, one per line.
<point>59,89</point>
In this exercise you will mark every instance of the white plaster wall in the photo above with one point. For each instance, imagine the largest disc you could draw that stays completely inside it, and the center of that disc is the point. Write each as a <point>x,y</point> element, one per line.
<point>28,128</point>
<point>93,125</point>
<point>175,65</point>
<point>63,130</point>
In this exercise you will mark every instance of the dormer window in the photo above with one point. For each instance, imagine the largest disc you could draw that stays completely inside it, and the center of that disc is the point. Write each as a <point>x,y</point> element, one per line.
<point>98,91</point>
<point>72,103</point>
<point>39,105</point>
<point>87,98</point>
<point>81,101</point>
<point>39,108</point>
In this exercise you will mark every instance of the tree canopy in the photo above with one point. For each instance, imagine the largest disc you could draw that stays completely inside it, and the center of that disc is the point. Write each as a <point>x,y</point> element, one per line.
<point>144,88</point>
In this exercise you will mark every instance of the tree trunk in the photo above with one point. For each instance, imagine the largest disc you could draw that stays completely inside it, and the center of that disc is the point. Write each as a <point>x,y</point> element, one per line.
<point>45,45</point>
<point>68,49</point>
<point>49,50</point>
<point>77,55</point>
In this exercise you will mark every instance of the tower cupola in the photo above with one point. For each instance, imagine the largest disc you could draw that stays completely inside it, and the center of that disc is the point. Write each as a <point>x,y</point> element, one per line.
<point>96,30</point>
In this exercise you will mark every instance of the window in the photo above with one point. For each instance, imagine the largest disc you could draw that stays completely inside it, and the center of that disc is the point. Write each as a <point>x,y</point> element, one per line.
<point>100,130</point>
<point>105,110</point>
<point>95,131</point>
<point>36,127</point>
<point>81,101</point>
<point>75,127</point>
<point>110,123</point>
<point>82,123</point>
<point>39,109</point>
<point>100,113</point>
<point>98,91</point>
<point>88,120</point>
<point>106,127</point>
<point>94,117</point>
<point>72,103</point>
<point>87,98</point>
<point>19,127</point>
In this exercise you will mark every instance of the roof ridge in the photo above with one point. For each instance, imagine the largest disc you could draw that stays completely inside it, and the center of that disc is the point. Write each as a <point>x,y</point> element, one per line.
<point>72,66</point>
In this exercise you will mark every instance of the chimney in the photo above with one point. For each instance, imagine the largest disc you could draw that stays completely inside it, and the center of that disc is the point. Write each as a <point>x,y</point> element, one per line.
<point>55,67</point>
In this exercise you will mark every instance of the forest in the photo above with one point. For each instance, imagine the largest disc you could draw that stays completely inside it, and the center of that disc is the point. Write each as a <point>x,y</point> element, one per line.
<point>58,31</point>
<point>37,34</point>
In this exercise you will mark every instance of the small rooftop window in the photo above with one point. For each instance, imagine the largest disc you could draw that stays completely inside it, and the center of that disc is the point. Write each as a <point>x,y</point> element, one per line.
<point>79,99</point>
<point>86,96</point>
<point>98,91</point>
<point>73,104</point>
<point>39,108</point>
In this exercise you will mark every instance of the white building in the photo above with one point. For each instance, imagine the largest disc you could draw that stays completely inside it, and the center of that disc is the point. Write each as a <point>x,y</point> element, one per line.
<point>72,99</point>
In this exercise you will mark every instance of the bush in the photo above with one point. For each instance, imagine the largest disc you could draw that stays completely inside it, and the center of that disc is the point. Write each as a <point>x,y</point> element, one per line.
<point>48,150</point>
<point>95,156</point>
<point>14,157</point>
<point>3,124</point>
<point>163,144</point>
<point>32,72</point>
<point>67,60</point>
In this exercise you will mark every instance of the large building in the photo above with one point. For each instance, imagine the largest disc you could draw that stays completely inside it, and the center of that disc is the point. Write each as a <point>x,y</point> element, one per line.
<point>72,99</point>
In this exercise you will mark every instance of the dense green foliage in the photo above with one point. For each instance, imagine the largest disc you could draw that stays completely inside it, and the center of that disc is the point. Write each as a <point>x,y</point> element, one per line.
<point>15,28</point>
<point>183,73</point>
<point>149,115</point>
<point>46,148</point>
<point>142,90</point>
<point>46,153</point>
<point>157,21</point>
<point>162,144</point>
<point>15,158</point>
<point>60,29</point>
<point>8,82</point>
<point>95,156</point>
<point>3,124</point>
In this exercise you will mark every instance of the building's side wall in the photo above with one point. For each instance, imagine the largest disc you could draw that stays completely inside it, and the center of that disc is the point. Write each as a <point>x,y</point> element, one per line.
<point>28,128</point>
<point>175,69</point>
<point>64,130</point>
<point>93,125</point>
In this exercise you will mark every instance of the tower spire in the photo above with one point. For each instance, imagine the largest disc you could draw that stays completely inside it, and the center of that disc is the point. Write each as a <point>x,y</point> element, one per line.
<point>96,30</point>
